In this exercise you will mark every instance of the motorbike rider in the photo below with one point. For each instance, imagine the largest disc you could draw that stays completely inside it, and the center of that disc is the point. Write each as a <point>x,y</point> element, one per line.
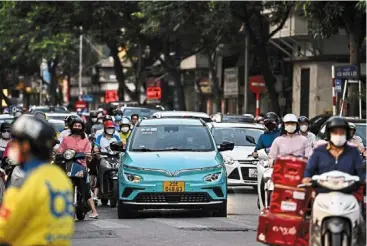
<point>125,130</point>
<point>102,142</point>
<point>271,122</point>
<point>304,127</point>
<point>134,119</point>
<point>260,119</point>
<point>290,142</point>
<point>98,125</point>
<point>39,223</point>
<point>117,115</point>
<point>67,131</point>
<point>105,118</point>
<point>78,142</point>
<point>91,121</point>
<point>356,140</point>
<point>5,137</point>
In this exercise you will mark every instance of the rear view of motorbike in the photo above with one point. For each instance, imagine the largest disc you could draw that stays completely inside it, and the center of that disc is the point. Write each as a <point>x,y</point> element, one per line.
<point>77,174</point>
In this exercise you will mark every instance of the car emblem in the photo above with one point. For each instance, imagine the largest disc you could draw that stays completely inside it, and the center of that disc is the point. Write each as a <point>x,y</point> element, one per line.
<point>173,174</point>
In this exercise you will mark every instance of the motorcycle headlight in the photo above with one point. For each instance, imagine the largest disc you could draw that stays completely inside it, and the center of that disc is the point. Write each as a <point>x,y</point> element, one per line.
<point>212,177</point>
<point>228,160</point>
<point>133,178</point>
<point>69,154</point>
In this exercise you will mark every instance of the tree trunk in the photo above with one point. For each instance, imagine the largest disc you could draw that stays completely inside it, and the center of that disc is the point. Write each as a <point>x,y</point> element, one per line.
<point>180,92</point>
<point>213,71</point>
<point>354,59</point>
<point>270,80</point>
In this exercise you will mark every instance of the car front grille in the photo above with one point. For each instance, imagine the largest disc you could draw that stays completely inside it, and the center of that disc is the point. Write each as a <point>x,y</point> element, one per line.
<point>190,197</point>
<point>246,162</point>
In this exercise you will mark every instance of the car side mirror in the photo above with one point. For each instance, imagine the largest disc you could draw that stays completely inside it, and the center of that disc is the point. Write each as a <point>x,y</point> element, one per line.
<point>250,139</point>
<point>117,146</point>
<point>226,145</point>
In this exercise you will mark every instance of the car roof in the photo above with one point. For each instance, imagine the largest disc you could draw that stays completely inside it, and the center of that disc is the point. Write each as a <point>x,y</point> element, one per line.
<point>60,114</point>
<point>238,125</point>
<point>56,121</point>
<point>6,116</point>
<point>132,107</point>
<point>181,114</point>
<point>171,121</point>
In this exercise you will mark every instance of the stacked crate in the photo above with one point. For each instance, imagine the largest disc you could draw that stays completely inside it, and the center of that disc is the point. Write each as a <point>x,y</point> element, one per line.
<point>284,222</point>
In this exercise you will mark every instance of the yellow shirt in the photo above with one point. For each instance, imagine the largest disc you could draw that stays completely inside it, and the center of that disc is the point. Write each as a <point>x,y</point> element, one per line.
<point>39,211</point>
<point>124,137</point>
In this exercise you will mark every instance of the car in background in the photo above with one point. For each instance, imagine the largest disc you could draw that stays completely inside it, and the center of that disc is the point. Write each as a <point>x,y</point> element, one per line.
<point>48,109</point>
<point>58,125</point>
<point>183,114</point>
<point>234,118</point>
<point>172,164</point>
<point>58,116</point>
<point>6,118</point>
<point>241,166</point>
<point>141,111</point>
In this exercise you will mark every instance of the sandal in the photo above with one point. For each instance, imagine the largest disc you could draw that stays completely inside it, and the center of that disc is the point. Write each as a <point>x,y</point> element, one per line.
<point>93,217</point>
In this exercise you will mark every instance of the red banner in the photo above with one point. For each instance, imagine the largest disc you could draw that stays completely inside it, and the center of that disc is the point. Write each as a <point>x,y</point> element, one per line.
<point>154,93</point>
<point>111,96</point>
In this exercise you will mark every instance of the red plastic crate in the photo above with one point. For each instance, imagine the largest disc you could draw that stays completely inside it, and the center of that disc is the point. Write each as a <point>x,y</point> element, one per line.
<point>278,229</point>
<point>288,171</point>
<point>289,200</point>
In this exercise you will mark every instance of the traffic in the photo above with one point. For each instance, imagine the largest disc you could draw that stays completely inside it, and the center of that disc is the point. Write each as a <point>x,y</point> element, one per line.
<point>310,187</point>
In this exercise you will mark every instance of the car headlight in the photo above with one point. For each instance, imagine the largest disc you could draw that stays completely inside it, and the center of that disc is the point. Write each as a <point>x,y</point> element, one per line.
<point>212,177</point>
<point>69,154</point>
<point>133,178</point>
<point>228,160</point>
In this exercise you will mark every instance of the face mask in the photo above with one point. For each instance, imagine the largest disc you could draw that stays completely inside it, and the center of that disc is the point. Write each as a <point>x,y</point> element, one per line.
<point>270,126</point>
<point>125,129</point>
<point>6,135</point>
<point>94,120</point>
<point>76,131</point>
<point>338,140</point>
<point>290,128</point>
<point>110,131</point>
<point>118,117</point>
<point>303,128</point>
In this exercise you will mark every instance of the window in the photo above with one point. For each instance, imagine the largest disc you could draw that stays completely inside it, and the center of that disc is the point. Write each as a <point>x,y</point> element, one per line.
<point>236,135</point>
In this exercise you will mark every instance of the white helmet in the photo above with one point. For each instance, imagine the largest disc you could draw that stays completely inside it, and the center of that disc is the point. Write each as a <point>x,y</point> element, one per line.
<point>352,126</point>
<point>125,121</point>
<point>290,118</point>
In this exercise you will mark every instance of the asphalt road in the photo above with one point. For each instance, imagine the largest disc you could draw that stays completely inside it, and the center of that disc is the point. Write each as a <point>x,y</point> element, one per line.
<point>175,227</point>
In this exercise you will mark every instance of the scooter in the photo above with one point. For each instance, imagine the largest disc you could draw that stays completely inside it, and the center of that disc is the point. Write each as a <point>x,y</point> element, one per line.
<point>336,216</point>
<point>76,172</point>
<point>264,184</point>
<point>108,177</point>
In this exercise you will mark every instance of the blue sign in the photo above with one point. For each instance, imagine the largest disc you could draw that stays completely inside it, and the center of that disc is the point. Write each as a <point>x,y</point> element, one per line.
<point>87,98</point>
<point>338,85</point>
<point>346,72</point>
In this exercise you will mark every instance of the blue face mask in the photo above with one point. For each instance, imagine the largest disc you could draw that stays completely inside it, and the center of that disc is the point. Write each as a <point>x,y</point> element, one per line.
<point>118,117</point>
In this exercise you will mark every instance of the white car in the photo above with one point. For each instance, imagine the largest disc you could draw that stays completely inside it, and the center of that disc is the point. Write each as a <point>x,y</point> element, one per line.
<point>185,114</point>
<point>241,166</point>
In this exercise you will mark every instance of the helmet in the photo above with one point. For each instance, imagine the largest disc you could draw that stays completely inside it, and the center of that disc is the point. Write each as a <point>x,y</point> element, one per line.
<point>271,116</point>
<point>117,112</point>
<point>337,122</point>
<point>93,114</point>
<point>40,115</point>
<point>69,119</point>
<point>77,120</point>
<point>108,124</point>
<point>125,121</point>
<point>39,133</point>
<point>100,110</point>
<point>107,118</point>
<point>5,125</point>
<point>259,119</point>
<point>303,119</point>
<point>290,118</point>
<point>352,126</point>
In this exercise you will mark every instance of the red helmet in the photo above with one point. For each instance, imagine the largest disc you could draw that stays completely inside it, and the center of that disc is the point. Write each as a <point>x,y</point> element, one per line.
<point>109,124</point>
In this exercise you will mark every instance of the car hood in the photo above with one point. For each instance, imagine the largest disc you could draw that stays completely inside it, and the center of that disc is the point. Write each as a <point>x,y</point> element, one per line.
<point>172,160</point>
<point>239,152</point>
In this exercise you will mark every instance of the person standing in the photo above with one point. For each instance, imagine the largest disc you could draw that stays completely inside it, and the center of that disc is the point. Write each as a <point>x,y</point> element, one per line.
<point>304,127</point>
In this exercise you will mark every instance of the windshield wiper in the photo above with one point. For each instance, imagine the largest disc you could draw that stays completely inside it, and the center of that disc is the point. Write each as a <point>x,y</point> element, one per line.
<point>177,149</point>
<point>144,150</point>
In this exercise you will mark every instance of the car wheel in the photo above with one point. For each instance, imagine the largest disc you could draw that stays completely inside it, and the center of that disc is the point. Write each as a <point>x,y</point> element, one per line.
<point>104,202</point>
<point>113,201</point>
<point>221,210</point>
<point>125,211</point>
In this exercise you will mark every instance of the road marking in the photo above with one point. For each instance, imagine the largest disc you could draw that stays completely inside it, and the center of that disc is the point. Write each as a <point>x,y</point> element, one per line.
<point>177,223</point>
<point>109,224</point>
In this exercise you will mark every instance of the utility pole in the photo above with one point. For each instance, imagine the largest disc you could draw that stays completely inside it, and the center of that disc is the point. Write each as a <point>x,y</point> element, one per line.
<point>246,68</point>
<point>80,60</point>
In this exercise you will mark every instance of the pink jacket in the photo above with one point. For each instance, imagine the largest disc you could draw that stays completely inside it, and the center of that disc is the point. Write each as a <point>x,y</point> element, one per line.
<point>78,144</point>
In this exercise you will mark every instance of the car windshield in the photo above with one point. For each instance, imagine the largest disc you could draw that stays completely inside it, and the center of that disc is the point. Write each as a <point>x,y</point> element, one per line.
<point>361,132</point>
<point>50,116</point>
<point>236,135</point>
<point>47,109</point>
<point>59,127</point>
<point>172,138</point>
<point>237,119</point>
<point>142,112</point>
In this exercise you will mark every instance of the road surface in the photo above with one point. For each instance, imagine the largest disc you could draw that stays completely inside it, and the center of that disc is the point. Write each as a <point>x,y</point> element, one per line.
<point>175,227</point>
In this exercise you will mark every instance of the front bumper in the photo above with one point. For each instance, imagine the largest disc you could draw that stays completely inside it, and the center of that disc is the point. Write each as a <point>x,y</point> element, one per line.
<point>240,174</point>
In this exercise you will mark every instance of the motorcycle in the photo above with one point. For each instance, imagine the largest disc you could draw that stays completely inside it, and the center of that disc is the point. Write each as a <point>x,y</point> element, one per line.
<point>336,216</point>
<point>68,161</point>
<point>108,177</point>
<point>264,183</point>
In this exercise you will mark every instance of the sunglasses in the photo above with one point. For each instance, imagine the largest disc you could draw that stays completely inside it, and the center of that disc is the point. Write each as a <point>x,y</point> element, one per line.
<point>6,130</point>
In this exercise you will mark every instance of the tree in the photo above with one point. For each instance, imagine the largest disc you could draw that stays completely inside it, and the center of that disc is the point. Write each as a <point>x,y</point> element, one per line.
<point>256,25</point>
<point>326,18</point>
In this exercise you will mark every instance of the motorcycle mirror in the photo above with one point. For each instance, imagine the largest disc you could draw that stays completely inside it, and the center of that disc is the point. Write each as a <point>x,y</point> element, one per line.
<point>117,146</point>
<point>250,139</point>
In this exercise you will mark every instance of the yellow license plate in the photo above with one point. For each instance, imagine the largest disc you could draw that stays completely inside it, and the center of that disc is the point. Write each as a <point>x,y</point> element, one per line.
<point>173,186</point>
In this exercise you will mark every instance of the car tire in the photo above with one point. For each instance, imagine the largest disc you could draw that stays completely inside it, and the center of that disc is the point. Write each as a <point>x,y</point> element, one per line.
<point>125,211</point>
<point>221,210</point>
<point>113,201</point>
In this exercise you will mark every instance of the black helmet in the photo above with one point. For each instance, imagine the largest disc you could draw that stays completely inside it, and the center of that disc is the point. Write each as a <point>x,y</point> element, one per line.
<point>77,120</point>
<point>69,119</point>
<point>5,125</point>
<point>271,116</point>
<point>117,112</point>
<point>39,133</point>
<point>337,122</point>
<point>303,119</point>
<point>93,114</point>
<point>40,115</point>
<point>107,117</point>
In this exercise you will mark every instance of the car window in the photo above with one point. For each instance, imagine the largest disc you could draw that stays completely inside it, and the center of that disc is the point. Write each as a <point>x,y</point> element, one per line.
<point>361,132</point>
<point>47,110</point>
<point>142,112</point>
<point>237,119</point>
<point>9,120</point>
<point>56,117</point>
<point>59,127</point>
<point>172,137</point>
<point>236,135</point>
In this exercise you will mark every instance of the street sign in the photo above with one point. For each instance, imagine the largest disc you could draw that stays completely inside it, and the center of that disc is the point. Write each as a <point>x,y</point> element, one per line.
<point>154,93</point>
<point>346,72</point>
<point>81,105</point>
<point>87,98</point>
<point>257,84</point>
<point>338,85</point>
<point>231,82</point>
<point>111,96</point>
